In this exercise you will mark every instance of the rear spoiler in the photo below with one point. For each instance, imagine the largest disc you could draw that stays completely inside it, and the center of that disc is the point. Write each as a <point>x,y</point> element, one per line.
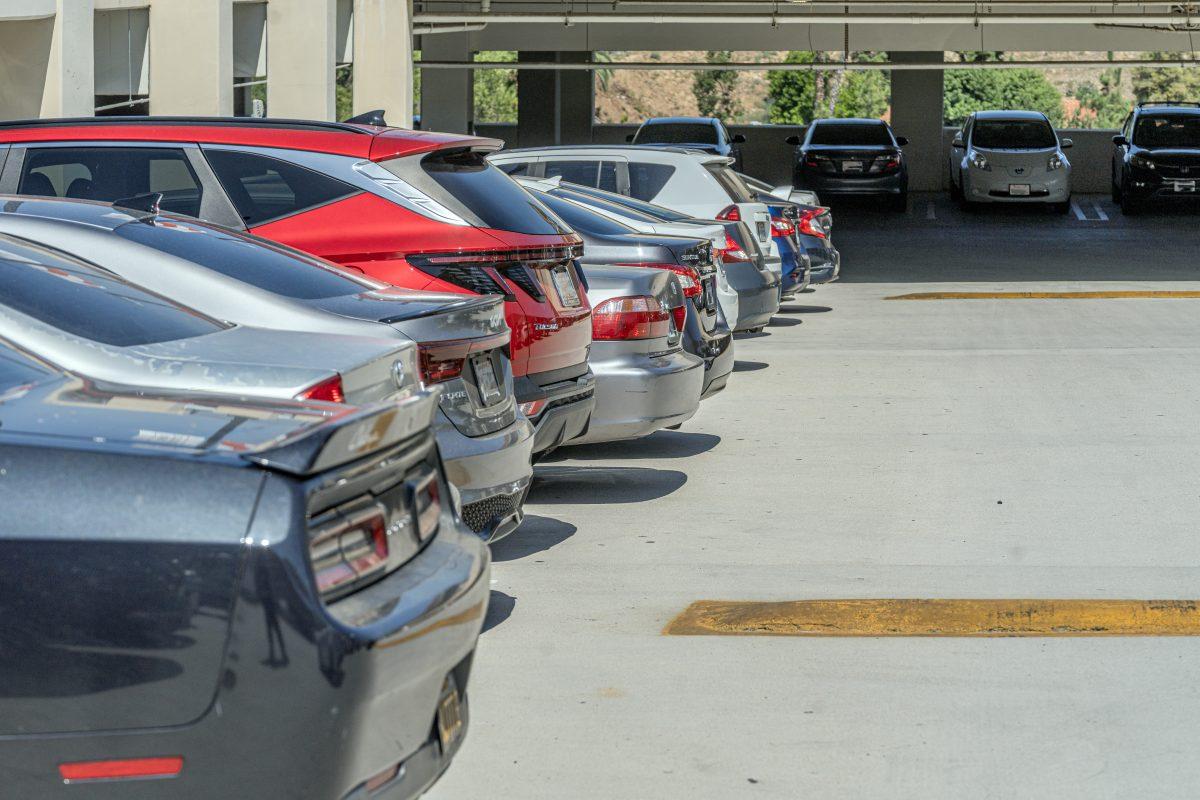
<point>353,435</point>
<point>394,143</point>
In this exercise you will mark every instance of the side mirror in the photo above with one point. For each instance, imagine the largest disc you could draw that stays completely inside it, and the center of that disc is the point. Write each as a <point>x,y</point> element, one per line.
<point>792,140</point>
<point>629,137</point>
<point>958,141</point>
<point>902,140</point>
<point>738,139</point>
<point>1120,141</point>
<point>1066,143</point>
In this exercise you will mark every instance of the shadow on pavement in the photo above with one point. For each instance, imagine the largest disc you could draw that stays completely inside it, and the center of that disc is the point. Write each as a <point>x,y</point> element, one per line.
<point>737,337</point>
<point>587,485</point>
<point>535,535</point>
<point>661,444</point>
<point>783,322</point>
<point>804,309</point>
<point>749,366</point>
<point>500,608</point>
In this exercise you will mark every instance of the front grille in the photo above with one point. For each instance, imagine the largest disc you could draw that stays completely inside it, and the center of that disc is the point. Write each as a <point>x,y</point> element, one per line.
<point>1189,172</point>
<point>519,274</point>
<point>483,514</point>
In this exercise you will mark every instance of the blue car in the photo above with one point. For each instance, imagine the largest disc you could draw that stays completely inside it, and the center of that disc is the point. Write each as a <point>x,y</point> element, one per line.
<point>812,237</point>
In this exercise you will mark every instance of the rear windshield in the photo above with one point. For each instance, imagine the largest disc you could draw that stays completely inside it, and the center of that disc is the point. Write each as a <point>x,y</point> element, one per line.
<point>1013,134</point>
<point>734,186</point>
<point>1165,130</point>
<point>850,135</point>
<point>660,213</point>
<point>605,204</point>
<point>467,180</point>
<point>89,302</point>
<point>584,220</point>
<point>677,133</point>
<point>17,369</point>
<point>252,261</point>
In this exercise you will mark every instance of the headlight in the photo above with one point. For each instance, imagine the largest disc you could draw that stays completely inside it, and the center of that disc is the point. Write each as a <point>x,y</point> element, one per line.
<point>1142,162</point>
<point>1056,162</point>
<point>979,162</point>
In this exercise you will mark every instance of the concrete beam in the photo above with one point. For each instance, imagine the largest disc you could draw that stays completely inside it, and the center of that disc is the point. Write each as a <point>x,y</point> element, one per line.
<point>70,88</point>
<point>196,78</point>
<point>554,107</point>
<point>917,106</point>
<point>383,66</point>
<point>447,95</point>
<point>301,38</point>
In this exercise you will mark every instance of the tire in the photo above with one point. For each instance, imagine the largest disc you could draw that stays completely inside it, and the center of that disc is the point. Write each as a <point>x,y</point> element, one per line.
<point>955,192</point>
<point>900,202</point>
<point>1116,190</point>
<point>1061,208</point>
<point>1129,206</point>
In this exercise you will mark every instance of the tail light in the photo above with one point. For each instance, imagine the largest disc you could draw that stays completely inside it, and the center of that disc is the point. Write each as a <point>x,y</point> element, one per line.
<point>732,252</point>
<point>638,317</point>
<point>533,408</point>
<point>118,769</point>
<point>439,366</point>
<point>885,163</point>
<point>348,550</point>
<point>810,225</point>
<point>782,227</point>
<point>731,214</point>
<point>480,271</point>
<point>427,503</point>
<point>328,390</point>
<point>680,315</point>
<point>811,162</point>
<point>689,278</point>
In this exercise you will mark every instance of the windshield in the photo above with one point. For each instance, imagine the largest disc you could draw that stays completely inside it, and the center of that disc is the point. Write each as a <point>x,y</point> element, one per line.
<point>584,220</point>
<point>737,190</point>
<point>856,134</point>
<point>1013,134</point>
<point>1163,130</point>
<point>677,133</point>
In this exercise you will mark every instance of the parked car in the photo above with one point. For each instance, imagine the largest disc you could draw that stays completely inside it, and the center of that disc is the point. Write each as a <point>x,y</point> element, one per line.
<point>785,231</point>
<point>1010,157</point>
<point>1156,156</point>
<point>484,441</point>
<point>852,157</point>
<point>814,231</point>
<point>609,243</point>
<point>707,134</point>
<point>414,209</point>
<point>644,379</point>
<point>746,268</point>
<point>188,573</point>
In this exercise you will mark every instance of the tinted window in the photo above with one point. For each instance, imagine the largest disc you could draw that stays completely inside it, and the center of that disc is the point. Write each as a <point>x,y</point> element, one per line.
<point>738,192</point>
<point>584,220</point>
<point>598,202</point>
<point>264,189</point>
<point>252,261</point>
<point>1167,131</point>
<point>647,180</point>
<point>850,134</point>
<point>677,133</point>
<point>585,173</point>
<point>89,302</point>
<point>517,168</point>
<point>1013,134</point>
<point>660,213</point>
<point>113,173</point>
<point>17,369</point>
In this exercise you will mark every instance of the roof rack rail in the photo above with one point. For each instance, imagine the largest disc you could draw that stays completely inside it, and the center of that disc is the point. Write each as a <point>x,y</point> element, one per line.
<point>265,122</point>
<point>1191,103</point>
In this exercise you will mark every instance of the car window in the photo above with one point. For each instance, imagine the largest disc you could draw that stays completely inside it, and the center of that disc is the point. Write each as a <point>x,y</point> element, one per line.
<point>850,134</point>
<point>585,173</point>
<point>606,205</point>
<point>1167,130</point>
<point>737,190</point>
<point>515,167</point>
<point>112,173</point>
<point>677,133</point>
<point>89,302</point>
<point>250,260</point>
<point>647,180</point>
<point>264,189</point>
<point>660,213</point>
<point>1013,134</point>
<point>18,369</point>
<point>584,220</point>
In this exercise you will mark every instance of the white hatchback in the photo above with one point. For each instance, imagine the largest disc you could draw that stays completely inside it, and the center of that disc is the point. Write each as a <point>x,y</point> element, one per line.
<point>1010,157</point>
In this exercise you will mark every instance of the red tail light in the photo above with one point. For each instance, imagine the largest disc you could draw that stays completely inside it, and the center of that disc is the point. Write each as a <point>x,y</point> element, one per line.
<point>349,549</point>
<point>781,226</point>
<point>689,278</point>
<point>438,367</point>
<point>329,390</point>
<point>812,162</point>
<point>808,224</point>
<point>533,408</point>
<point>680,315</point>
<point>731,214</point>
<point>638,317</point>
<point>732,252</point>
<point>121,769</point>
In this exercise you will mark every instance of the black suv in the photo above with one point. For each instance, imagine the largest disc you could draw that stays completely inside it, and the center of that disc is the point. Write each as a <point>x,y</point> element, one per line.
<point>1156,155</point>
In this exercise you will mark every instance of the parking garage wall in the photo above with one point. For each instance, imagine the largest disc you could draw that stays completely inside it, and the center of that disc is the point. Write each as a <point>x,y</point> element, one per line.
<point>769,157</point>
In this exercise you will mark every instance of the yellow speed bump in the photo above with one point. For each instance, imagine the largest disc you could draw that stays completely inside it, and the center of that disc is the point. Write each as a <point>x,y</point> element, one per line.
<point>897,617</point>
<point>1112,295</point>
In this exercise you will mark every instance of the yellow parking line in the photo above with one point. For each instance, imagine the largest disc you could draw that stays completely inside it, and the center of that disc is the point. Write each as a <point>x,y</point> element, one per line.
<point>1043,295</point>
<point>900,617</point>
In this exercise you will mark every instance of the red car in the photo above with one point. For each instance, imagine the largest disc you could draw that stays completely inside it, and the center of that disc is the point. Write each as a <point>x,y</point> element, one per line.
<point>416,209</point>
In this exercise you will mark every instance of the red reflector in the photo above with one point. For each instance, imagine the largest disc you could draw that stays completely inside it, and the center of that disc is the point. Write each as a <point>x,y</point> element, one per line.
<point>680,314</point>
<point>731,214</point>
<point>689,279</point>
<point>122,769</point>
<point>809,225</point>
<point>329,390</point>
<point>533,408</point>
<point>436,368</point>
<point>630,318</point>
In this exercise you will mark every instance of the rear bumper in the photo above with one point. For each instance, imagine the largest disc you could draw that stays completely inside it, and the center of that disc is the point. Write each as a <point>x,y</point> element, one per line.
<point>718,364</point>
<point>566,413</point>
<point>826,265</point>
<point>884,185</point>
<point>492,474</point>
<point>757,290</point>
<point>637,394</point>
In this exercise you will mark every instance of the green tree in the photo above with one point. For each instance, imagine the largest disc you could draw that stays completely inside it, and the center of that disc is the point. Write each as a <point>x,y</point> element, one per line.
<point>496,89</point>
<point>1166,83</point>
<point>967,91</point>
<point>716,89</point>
<point>344,91</point>
<point>1100,106</point>
<point>798,97</point>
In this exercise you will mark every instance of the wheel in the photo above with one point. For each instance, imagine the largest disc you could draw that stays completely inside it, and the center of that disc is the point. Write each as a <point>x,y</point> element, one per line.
<point>900,202</point>
<point>1116,190</point>
<point>955,192</point>
<point>1129,206</point>
<point>1061,208</point>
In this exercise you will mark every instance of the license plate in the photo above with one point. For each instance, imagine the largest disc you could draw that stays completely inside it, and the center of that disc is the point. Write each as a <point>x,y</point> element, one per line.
<point>485,379</point>
<point>852,166</point>
<point>564,284</point>
<point>710,294</point>
<point>762,231</point>
<point>1018,189</point>
<point>1185,186</point>
<point>449,714</point>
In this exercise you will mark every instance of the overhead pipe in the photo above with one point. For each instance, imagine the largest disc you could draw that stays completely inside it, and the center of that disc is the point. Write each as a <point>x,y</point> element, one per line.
<point>824,66</point>
<point>590,18</point>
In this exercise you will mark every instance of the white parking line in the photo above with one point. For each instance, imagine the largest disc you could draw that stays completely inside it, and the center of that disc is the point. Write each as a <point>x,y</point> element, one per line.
<point>1100,211</point>
<point>929,212</point>
<point>1078,212</point>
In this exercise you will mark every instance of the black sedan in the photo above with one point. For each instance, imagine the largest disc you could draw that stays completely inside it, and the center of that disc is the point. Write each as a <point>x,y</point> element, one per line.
<point>852,157</point>
<point>212,597</point>
<point>1156,155</point>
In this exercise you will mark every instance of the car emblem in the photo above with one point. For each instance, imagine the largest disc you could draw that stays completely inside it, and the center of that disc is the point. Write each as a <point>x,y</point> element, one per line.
<point>398,374</point>
<point>1019,171</point>
<point>1186,170</point>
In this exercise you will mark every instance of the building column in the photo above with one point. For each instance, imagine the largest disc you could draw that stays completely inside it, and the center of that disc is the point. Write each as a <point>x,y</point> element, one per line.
<point>554,106</point>
<point>917,108</point>
<point>383,63</point>
<point>301,35</point>
<point>447,95</point>
<point>191,57</point>
<point>70,70</point>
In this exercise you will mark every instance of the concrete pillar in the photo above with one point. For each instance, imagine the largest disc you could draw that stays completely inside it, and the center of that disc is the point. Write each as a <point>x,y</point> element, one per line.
<point>191,57</point>
<point>917,113</point>
<point>70,69</point>
<point>554,107</point>
<point>301,35</point>
<point>383,63</point>
<point>447,95</point>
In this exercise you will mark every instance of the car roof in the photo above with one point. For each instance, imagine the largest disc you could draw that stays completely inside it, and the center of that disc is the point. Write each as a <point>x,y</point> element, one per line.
<point>337,138</point>
<point>848,121</point>
<point>1167,109</point>
<point>1010,115</point>
<point>688,120</point>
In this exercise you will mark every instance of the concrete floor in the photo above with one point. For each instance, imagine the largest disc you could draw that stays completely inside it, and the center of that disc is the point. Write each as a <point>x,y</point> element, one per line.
<point>872,448</point>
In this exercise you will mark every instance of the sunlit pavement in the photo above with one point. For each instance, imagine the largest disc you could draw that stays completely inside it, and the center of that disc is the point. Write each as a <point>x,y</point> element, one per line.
<point>872,448</point>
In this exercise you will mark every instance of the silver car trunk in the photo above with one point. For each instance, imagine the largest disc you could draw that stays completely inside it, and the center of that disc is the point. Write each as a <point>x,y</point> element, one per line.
<point>606,283</point>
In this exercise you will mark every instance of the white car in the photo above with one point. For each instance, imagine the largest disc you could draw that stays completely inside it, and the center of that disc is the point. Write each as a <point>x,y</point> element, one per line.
<point>1010,157</point>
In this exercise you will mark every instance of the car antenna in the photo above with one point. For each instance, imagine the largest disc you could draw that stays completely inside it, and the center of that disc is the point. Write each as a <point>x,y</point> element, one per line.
<point>146,206</point>
<point>369,118</point>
